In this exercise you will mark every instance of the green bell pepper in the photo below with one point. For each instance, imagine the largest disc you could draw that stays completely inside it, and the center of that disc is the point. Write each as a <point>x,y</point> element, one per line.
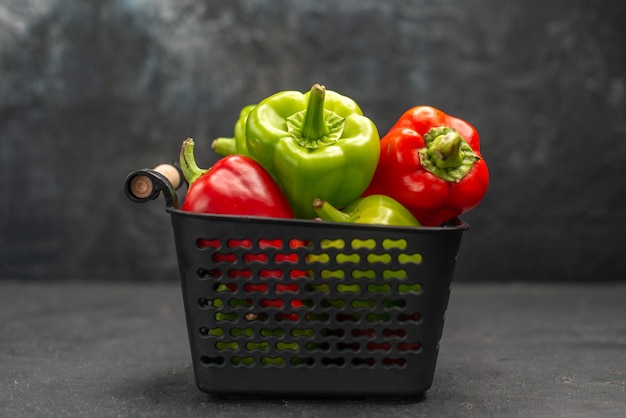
<point>374,209</point>
<point>315,145</point>
<point>237,144</point>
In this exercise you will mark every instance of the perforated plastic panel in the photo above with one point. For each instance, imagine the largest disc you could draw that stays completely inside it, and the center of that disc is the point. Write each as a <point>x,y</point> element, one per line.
<point>305,308</point>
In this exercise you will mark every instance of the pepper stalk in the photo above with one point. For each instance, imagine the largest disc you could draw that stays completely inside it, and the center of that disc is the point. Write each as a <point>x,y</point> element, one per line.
<point>188,164</point>
<point>328,212</point>
<point>447,155</point>
<point>315,126</point>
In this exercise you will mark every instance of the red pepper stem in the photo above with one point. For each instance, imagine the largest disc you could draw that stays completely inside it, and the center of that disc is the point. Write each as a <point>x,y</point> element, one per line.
<point>446,150</point>
<point>329,213</point>
<point>314,125</point>
<point>188,165</point>
<point>447,155</point>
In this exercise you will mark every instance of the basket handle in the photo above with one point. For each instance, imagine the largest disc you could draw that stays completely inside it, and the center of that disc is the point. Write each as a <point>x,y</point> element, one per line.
<point>146,184</point>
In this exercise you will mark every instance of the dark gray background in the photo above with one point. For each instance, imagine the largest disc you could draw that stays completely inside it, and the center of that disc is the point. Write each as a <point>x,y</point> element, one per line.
<point>91,90</point>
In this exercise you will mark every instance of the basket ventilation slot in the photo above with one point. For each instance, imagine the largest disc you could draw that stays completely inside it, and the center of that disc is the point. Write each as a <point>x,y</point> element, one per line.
<point>299,303</point>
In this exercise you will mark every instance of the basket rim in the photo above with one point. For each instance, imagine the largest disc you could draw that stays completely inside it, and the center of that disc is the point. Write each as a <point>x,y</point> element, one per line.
<point>453,226</point>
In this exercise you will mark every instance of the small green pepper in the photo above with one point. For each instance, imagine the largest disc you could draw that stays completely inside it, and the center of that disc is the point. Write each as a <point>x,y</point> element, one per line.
<point>374,209</point>
<point>316,144</point>
<point>237,144</point>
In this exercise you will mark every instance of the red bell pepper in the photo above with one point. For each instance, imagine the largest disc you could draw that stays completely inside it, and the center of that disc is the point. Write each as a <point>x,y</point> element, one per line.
<point>238,185</point>
<point>430,162</point>
<point>235,185</point>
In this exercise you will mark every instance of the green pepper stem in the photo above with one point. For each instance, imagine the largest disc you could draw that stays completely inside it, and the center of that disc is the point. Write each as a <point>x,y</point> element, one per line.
<point>328,212</point>
<point>188,165</point>
<point>314,126</point>
<point>224,146</point>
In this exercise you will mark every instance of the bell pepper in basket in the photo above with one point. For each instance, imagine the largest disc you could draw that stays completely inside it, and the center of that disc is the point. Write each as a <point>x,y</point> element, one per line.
<point>430,162</point>
<point>235,185</point>
<point>315,145</point>
<point>375,209</point>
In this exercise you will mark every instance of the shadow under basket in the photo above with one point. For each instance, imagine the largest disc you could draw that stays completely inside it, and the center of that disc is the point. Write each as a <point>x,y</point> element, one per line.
<point>304,308</point>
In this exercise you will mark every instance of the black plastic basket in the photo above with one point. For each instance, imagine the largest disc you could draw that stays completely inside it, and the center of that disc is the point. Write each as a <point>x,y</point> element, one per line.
<point>305,308</point>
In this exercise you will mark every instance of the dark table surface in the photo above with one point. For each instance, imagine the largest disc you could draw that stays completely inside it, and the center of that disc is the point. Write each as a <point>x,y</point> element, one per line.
<point>76,349</point>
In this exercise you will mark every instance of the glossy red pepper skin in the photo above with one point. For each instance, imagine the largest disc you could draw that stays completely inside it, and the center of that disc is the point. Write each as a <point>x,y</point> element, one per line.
<point>237,185</point>
<point>402,175</point>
